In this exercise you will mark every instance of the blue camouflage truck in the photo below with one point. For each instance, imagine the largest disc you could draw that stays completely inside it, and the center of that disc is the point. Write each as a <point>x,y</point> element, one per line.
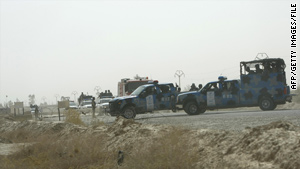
<point>262,83</point>
<point>146,98</point>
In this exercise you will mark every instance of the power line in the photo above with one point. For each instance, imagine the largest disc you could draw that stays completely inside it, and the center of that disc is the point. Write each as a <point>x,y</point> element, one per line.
<point>74,93</point>
<point>179,73</point>
<point>97,88</point>
<point>56,96</point>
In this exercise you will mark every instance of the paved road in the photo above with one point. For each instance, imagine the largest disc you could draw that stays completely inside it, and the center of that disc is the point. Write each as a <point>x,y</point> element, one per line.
<point>233,119</point>
<point>228,120</point>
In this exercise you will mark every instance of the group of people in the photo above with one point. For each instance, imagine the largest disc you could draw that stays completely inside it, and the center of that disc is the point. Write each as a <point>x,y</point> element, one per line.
<point>194,88</point>
<point>268,68</point>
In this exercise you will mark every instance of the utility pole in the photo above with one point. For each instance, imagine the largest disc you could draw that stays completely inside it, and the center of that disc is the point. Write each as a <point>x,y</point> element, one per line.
<point>56,96</point>
<point>74,93</point>
<point>260,56</point>
<point>179,73</point>
<point>6,102</point>
<point>97,88</point>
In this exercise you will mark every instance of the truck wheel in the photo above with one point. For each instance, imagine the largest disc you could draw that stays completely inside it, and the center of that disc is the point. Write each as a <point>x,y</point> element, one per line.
<point>266,103</point>
<point>275,105</point>
<point>173,107</point>
<point>202,109</point>
<point>191,108</point>
<point>129,113</point>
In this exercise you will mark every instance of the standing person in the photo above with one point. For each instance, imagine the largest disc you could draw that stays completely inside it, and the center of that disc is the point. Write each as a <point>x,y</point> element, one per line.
<point>36,112</point>
<point>258,69</point>
<point>32,111</point>
<point>80,99</point>
<point>193,87</point>
<point>93,106</point>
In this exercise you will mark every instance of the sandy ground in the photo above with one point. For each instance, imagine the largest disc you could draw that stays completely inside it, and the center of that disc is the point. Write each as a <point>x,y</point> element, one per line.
<point>276,145</point>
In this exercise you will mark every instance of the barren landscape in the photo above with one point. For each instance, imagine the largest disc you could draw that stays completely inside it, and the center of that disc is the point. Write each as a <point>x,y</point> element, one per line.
<point>202,63</point>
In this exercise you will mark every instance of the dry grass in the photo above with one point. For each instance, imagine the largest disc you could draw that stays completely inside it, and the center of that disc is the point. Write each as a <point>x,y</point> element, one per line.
<point>83,150</point>
<point>73,116</point>
<point>168,152</point>
<point>50,151</point>
<point>19,117</point>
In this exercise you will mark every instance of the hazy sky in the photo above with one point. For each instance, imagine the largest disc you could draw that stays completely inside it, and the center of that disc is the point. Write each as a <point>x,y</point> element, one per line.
<point>50,47</point>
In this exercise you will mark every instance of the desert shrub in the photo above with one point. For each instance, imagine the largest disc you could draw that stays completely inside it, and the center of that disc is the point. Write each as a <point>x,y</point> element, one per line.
<point>21,117</point>
<point>85,150</point>
<point>19,135</point>
<point>96,123</point>
<point>75,151</point>
<point>73,116</point>
<point>169,151</point>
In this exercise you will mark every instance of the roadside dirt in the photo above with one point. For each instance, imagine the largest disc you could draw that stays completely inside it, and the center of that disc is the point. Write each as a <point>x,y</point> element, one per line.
<point>276,145</point>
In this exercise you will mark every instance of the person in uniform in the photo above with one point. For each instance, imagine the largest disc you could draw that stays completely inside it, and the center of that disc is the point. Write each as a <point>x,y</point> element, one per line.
<point>93,106</point>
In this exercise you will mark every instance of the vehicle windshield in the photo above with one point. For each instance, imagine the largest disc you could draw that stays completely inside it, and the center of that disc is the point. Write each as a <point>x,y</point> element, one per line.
<point>206,87</point>
<point>138,91</point>
<point>87,102</point>
<point>131,86</point>
<point>72,104</point>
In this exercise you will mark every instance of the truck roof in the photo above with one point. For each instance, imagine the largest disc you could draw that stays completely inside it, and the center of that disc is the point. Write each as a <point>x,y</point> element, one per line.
<point>152,84</point>
<point>264,60</point>
<point>165,84</point>
<point>225,81</point>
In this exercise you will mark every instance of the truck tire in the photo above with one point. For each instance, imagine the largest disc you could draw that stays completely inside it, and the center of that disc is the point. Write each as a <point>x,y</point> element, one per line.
<point>129,112</point>
<point>275,105</point>
<point>191,108</point>
<point>173,107</point>
<point>202,109</point>
<point>266,103</point>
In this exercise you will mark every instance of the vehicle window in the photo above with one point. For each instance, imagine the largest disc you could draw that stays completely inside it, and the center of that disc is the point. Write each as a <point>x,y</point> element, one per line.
<point>214,86</point>
<point>138,91</point>
<point>131,86</point>
<point>150,90</point>
<point>210,87</point>
<point>87,102</point>
<point>266,66</point>
<point>249,68</point>
<point>205,88</point>
<point>72,104</point>
<point>164,88</point>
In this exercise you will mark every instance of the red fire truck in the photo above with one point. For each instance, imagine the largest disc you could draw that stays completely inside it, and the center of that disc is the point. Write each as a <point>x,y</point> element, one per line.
<point>126,86</point>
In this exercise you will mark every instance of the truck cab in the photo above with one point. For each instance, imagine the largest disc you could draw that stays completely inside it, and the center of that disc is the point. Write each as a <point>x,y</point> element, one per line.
<point>222,93</point>
<point>262,83</point>
<point>146,98</point>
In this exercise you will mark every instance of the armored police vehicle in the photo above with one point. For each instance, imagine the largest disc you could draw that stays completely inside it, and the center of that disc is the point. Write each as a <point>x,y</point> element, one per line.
<point>146,98</point>
<point>262,83</point>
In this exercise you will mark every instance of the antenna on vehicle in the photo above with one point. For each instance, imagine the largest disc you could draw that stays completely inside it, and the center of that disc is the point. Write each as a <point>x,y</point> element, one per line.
<point>260,56</point>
